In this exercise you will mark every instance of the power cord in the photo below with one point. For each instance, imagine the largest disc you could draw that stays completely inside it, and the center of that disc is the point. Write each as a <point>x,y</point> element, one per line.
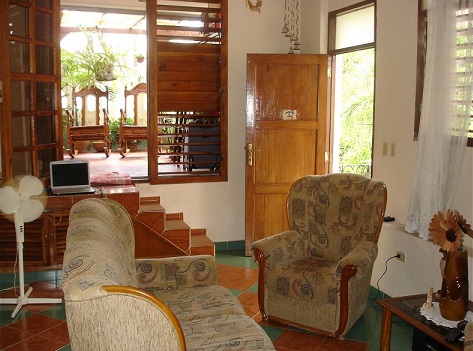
<point>377,283</point>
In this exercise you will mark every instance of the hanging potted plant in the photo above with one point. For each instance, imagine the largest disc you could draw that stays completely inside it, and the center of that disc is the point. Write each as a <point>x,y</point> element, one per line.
<point>96,63</point>
<point>139,58</point>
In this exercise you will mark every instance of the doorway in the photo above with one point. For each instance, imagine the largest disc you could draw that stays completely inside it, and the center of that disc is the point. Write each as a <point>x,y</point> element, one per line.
<point>352,49</point>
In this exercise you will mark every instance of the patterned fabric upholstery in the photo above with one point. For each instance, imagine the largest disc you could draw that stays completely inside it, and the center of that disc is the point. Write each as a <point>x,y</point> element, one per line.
<point>114,302</point>
<point>334,222</point>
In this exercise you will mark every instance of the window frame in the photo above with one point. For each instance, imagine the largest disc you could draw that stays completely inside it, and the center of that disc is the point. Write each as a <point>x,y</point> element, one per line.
<point>420,74</point>
<point>155,177</point>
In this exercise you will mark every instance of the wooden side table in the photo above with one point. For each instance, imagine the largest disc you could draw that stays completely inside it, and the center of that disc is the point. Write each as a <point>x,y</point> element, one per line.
<point>408,309</point>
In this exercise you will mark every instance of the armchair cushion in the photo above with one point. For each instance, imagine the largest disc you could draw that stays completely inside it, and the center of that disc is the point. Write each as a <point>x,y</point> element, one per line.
<point>207,301</point>
<point>235,332</point>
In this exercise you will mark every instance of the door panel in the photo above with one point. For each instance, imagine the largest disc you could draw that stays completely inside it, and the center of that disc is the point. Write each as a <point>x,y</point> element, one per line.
<point>286,127</point>
<point>31,129</point>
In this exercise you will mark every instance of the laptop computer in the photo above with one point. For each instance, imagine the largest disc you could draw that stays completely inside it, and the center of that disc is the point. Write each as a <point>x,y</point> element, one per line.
<point>70,177</point>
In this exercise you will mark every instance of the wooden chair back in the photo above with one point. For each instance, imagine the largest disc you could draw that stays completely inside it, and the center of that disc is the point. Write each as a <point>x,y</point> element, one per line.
<point>137,96</point>
<point>91,96</point>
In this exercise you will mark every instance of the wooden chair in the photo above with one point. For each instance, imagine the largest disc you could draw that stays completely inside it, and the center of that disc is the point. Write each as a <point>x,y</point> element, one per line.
<point>88,133</point>
<point>100,98</point>
<point>88,126</point>
<point>135,131</point>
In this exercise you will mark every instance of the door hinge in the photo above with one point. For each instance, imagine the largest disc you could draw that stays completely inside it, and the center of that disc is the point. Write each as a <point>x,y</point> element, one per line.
<point>327,156</point>
<point>329,72</point>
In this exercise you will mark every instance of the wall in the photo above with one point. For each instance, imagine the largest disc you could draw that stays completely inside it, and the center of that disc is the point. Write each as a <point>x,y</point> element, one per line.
<point>220,208</point>
<point>394,116</point>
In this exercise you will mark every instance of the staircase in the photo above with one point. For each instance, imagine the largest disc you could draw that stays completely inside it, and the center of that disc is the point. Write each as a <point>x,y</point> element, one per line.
<point>161,234</point>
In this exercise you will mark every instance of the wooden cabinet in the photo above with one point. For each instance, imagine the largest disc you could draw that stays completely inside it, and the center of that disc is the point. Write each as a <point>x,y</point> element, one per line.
<point>45,238</point>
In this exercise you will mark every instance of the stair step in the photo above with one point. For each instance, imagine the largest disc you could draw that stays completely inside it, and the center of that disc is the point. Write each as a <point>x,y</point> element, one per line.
<point>178,232</point>
<point>201,244</point>
<point>144,199</point>
<point>179,216</point>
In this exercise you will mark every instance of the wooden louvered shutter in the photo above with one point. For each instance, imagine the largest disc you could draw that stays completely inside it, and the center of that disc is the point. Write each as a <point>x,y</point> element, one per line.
<point>191,54</point>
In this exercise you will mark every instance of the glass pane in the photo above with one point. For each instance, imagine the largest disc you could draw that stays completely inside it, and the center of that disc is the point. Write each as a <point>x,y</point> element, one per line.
<point>44,26</point>
<point>45,97</point>
<point>44,60</point>
<point>20,99</point>
<point>46,130</point>
<point>21,131</point>
<point>45,157</point>
<point>355,28</point>
<point>44,3</point>
<point>18,21</point>
<point>21,163</point>
<point>19,57</point>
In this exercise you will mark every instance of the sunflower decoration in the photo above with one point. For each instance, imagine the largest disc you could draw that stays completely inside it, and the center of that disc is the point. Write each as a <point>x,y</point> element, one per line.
<point>447,229</point>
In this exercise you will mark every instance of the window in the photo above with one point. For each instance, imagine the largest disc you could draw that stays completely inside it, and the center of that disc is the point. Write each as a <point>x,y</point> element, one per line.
<point>462,55</point>
<point>352,49</point>
<point>189,78</point>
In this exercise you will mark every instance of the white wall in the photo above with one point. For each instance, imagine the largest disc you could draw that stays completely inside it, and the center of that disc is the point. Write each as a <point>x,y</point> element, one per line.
<point>220,207</point>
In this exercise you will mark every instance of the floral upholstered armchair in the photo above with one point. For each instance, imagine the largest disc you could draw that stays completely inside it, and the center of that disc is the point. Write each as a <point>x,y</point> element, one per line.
<point>317,275</point>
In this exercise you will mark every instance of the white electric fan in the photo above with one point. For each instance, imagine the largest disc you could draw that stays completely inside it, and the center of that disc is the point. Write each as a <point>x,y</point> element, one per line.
<point>24,209</point>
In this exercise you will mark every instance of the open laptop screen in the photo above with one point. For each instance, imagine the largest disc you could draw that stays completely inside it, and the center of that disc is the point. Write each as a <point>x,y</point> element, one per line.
<point>70,176</point>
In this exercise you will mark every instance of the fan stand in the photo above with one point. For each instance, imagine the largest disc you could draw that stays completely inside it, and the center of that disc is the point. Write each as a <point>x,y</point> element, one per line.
<point>24,298</point>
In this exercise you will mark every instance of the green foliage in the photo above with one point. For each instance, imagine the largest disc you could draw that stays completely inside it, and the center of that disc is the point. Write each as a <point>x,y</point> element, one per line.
<point>115,129</point>
<point>357,108</point>
<point>90,66</point>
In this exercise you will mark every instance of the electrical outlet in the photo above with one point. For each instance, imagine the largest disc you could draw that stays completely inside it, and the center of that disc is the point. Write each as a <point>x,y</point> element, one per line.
<point>393,149</point>
<point>401,256</point>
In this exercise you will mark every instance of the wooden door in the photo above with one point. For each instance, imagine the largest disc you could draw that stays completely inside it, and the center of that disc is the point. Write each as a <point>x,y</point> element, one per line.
<point>285,135</point>
<point>30,76</point>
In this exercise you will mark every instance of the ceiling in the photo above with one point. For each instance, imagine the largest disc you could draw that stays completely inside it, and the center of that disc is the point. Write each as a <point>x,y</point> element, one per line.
<point>105,14</point>
<point>115,4</point>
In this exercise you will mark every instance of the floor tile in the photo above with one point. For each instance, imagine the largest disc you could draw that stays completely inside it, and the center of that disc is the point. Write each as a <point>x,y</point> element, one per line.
<point>11,336</point>
<point>36,323</point>
<point>249,301</point>
<point>331,344</point>
<point>299,341</point>
<point>58,333</point>
<point>36,343</point>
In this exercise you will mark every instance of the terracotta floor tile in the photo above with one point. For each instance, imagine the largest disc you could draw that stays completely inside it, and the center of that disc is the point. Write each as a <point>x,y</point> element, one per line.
<point>11,336</point>
<point>249,301</point>
<point>36,343</point>
<point>57,333</point>
<point>240,279</point>
<point>36,323</point>
<point>299,341</point>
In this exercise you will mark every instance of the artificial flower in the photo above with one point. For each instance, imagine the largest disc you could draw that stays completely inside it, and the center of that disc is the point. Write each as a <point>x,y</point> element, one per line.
<point>465,227</point>
<point>445,230</point>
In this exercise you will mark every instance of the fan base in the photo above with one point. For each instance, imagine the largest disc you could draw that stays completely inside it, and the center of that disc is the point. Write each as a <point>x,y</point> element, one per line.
<point>20,301</point>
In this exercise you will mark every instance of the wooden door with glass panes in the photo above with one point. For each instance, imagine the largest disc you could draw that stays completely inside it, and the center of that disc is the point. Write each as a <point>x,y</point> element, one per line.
<point>30,106</point>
